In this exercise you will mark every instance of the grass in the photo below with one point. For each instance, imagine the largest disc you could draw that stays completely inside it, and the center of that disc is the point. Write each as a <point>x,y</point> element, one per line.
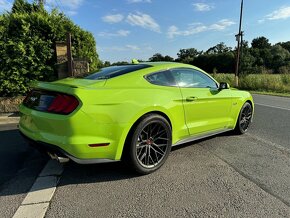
<point>275,84</point>
<point>271,93</point>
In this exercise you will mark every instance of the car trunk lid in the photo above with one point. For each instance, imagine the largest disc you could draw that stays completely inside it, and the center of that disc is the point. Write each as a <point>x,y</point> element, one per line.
<point>60,97</point>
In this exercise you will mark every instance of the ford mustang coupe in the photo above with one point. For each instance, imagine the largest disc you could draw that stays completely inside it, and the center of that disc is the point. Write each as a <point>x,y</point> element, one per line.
<point>135,113</point>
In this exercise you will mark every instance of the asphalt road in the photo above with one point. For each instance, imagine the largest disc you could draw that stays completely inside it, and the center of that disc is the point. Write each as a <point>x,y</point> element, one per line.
<point>272,119</point>
<point>223,176</point>
<point>14,151</point>
<point>19,166</point>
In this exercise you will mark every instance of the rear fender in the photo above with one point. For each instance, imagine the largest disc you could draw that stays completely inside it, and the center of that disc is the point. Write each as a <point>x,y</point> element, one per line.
<point>133,121</point>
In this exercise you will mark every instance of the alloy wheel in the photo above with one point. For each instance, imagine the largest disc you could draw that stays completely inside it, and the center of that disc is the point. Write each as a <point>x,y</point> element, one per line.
<point>246,116</point>
<point>152,144</point>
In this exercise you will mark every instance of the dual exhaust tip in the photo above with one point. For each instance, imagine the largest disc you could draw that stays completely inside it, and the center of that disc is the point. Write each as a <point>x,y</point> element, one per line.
<point>58,158</point>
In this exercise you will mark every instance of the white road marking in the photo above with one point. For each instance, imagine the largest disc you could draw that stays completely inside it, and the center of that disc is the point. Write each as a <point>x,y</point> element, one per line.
<point>282,108</point>
<point>41,191</point>
<point>31,211</point>
<point>36,202</point>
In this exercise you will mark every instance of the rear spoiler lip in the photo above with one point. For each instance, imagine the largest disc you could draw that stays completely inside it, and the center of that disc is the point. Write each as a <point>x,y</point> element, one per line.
<point>67,87</point>
<point>53,85</point>
<point>63,88</point>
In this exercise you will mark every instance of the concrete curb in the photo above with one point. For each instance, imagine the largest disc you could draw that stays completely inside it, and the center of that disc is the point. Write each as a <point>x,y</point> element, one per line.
<point>9,118</point>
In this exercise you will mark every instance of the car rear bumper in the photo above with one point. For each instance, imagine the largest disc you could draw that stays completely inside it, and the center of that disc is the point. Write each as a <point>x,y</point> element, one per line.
<point>76,136</point>
<point>53,150</point>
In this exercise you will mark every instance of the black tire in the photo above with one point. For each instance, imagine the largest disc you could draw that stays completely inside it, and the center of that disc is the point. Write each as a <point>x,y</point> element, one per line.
<point>149,144</point>
<point>244,120</point>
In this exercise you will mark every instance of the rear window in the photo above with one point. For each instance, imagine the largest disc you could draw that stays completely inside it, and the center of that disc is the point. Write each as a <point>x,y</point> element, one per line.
<point>114,71</point>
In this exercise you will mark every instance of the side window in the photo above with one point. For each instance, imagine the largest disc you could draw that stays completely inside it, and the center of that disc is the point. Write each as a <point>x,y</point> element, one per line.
<point>190,78</point>
<point>163,78</point>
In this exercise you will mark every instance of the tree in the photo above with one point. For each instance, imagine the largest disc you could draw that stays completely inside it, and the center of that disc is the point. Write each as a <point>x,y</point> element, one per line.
<point>27,45</point>
<point>247,59</point>
<point>22,6</point>
<point>168,58</point>
<point>187,55</point>
<point>119,63</point>
<point>106,64</point>
<point>261,43</point>
<point>219,49</point>
<point>285,45</point>
<point>279,57</point>
<point>262,57</point>
<point>159,57</point>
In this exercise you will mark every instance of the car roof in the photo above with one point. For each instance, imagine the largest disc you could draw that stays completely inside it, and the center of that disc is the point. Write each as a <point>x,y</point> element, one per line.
<point>152,68</point>
<point>116,71</point>
<point>166,64</point>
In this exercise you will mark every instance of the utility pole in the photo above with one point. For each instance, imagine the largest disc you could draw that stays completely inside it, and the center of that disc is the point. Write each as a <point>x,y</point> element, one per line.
<point>69,55</point>
<point>239,38</point>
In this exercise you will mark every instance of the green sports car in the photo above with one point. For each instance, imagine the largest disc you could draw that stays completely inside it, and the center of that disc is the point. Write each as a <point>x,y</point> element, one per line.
<point>135,113</point>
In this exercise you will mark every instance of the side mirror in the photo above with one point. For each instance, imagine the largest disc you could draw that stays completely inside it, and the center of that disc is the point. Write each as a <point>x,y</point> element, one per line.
<point>224,85</point>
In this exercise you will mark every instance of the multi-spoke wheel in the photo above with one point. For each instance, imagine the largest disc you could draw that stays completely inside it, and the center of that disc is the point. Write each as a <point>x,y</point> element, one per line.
<point>150,144</point>
<point>244,119</point>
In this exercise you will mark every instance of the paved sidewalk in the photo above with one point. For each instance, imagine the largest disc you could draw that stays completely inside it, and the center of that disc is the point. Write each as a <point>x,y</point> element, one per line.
<point>6,118</point>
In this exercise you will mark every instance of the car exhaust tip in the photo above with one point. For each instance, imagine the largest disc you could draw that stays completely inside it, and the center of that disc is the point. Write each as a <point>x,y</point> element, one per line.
<point>58,158</point>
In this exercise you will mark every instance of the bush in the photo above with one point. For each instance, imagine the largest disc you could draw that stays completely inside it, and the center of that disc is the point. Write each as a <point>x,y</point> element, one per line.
<point>284,69</point>
<point>259,82</point>
<point>27,46</point>
<point>223,77</point>
<point>285,78</point>
<point>266,82</point>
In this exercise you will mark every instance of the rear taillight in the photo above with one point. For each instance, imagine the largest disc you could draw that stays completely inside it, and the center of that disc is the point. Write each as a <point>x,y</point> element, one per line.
<point>51,102</point>
<point>63,104</point>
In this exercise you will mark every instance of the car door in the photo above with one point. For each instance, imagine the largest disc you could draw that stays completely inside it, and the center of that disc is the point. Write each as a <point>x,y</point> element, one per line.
<point>207,109</point>
<point>171,101</point>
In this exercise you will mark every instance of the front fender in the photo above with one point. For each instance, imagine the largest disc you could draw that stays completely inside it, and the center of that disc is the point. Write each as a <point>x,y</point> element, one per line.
<point>240,98</point>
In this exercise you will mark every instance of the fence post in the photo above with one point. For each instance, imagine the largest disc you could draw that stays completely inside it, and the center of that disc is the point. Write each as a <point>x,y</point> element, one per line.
<point>69,55</point>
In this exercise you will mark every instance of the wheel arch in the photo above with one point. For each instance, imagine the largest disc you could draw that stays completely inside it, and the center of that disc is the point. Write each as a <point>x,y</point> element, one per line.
<point>123,146</point>
<point>251,102</point>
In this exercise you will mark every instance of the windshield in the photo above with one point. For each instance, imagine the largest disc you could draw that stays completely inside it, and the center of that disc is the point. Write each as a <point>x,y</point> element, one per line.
<point>114,71</point>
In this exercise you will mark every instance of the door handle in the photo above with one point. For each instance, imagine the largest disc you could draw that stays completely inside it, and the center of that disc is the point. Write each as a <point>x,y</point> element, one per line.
<point>191,98</point>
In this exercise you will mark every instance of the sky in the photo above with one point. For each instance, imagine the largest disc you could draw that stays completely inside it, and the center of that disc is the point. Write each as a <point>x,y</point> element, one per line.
<point>127,29</point>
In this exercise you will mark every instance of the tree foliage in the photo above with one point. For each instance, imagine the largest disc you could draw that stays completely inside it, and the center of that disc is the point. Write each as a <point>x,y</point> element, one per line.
<point>187,55</point>
<point>219,49</point>
<point>159,57</point>
<point>261,57</point>
<point>261,43</point>
<point>27,45</point>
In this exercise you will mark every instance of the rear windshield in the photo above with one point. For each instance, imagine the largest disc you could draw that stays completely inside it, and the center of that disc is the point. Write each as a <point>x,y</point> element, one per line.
<point>110,72</point>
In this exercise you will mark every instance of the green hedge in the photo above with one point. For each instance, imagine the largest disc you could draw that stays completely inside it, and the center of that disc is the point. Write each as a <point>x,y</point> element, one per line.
<point>27,46</point>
